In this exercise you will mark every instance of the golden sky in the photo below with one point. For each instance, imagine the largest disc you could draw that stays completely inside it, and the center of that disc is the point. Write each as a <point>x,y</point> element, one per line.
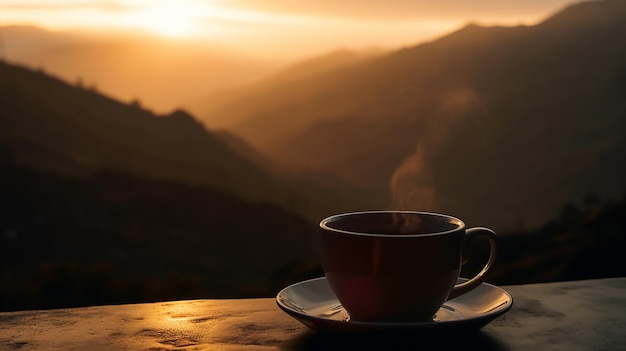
<point>305,25</point>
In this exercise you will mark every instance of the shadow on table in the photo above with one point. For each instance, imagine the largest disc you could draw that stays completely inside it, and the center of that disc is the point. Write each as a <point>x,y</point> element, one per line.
<point>476,340</point>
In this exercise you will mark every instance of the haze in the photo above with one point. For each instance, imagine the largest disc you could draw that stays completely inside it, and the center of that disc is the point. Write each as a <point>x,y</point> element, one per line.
<point>136,136</point>
<point>170,54</point>
<point>271,28</point>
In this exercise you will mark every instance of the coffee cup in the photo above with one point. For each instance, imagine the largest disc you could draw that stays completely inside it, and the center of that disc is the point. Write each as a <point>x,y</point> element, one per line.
<point>398,266</point>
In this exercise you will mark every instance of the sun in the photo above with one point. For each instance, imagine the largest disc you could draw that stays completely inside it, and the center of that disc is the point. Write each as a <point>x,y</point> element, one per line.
<point>169,18</point>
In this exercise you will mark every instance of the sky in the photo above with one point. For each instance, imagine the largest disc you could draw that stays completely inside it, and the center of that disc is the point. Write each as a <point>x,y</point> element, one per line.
<point>304,26</point>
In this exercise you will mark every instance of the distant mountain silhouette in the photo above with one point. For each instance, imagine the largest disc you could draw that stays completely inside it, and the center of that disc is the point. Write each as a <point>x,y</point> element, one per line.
<point>52,126</point>
<point>226,108</point>
<point>500,126</point>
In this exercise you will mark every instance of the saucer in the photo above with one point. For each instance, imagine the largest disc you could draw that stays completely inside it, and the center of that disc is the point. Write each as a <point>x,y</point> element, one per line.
<point>314,304</point>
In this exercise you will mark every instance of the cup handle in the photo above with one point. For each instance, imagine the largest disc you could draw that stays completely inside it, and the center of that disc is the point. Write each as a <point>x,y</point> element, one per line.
<point>470,234</point>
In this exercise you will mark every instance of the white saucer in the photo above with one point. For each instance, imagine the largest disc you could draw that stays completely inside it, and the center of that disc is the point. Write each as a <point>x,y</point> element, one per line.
<point>313,303</point>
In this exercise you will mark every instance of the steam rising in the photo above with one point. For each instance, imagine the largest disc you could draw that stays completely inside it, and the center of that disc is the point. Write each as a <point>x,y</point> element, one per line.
<point>411,185</point>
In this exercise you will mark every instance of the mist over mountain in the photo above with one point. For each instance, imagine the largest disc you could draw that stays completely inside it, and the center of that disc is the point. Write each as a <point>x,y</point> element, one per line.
<point>161,73</point>
<point>500,126</point>
<point>229,107</point>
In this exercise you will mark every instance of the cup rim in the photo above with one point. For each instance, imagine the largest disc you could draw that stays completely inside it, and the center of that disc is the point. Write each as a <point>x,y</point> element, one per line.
<point>324,223</point>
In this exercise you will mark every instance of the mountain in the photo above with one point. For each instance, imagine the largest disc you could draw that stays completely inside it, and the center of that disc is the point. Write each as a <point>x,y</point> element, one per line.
<point>582,242</point>
<point>52,126</point>
<point>162,74</point>
<point>227,109</point>
<point>500,126</point>
<point>113,238</point>
<point>103,202</point>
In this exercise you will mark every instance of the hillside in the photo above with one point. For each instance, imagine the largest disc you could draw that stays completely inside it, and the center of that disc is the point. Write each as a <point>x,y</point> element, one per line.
<point>113,238</point>
<point>226,109</point>
<point>103,202</point>
<point>500,126</point>
<point>55,127</point>
<point>582,242</point>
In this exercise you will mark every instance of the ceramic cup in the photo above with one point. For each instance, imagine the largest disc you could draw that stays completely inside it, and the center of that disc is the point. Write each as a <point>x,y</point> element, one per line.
<point>398,266</point>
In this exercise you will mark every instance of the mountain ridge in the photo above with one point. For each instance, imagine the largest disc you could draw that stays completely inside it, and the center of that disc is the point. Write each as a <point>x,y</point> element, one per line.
<point>52,126</point>
<point>482,101</point>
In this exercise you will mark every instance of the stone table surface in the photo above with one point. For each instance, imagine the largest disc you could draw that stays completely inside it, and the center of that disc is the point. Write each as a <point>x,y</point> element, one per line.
<point>578,315</point>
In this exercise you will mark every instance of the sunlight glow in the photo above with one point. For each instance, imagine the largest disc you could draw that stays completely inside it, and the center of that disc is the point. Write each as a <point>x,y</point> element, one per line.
<point>171,18</point>
<point>275,28</point>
